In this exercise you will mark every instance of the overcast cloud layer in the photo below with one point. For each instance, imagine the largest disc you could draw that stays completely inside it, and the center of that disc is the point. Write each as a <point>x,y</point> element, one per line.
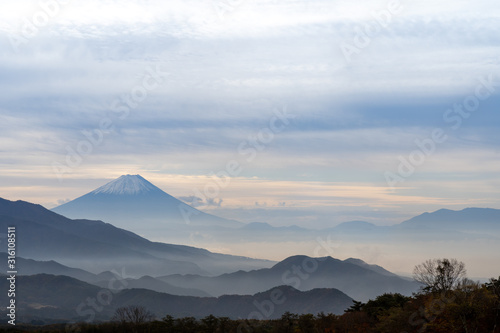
<point>180,88</point>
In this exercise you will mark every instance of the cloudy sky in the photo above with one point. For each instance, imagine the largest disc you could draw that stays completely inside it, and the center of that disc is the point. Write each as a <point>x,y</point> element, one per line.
<point>309,112</point>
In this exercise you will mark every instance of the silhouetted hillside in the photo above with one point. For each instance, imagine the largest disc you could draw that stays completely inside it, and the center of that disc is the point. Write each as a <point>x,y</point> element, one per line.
<point>65,298</point>
<point>97,246</point>
<point>360,281</point>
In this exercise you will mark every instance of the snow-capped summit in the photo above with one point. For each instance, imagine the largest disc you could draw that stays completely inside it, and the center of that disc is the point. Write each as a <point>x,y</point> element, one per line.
<point>132,202</point>
<point>127,184</point>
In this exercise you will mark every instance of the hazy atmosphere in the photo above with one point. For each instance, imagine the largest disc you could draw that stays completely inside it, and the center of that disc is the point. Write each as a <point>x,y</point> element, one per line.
<point>250,166</point>
<point>307,113</point>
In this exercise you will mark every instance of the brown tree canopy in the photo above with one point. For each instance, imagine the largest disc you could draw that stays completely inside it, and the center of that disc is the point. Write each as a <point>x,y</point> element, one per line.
<point>133,314</point>
<point>440,275</point>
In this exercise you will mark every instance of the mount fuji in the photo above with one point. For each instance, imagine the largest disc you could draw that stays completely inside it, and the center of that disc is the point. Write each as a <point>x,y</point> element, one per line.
<point>133,203</point>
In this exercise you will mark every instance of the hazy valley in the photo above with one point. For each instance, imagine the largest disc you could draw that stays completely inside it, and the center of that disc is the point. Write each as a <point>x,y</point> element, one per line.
<point>85,258</point>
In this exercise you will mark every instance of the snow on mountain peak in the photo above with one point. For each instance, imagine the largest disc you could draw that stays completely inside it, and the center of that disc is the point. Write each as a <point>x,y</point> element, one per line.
<point>126,184</point>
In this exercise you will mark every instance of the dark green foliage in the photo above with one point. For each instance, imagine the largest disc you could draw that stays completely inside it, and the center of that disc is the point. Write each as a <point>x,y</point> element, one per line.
<point>383,303</point>
<point>307,323</point>
<point>210,324</point>
<point>461,306</point>
<point>470,307</point>
<point>355,307</point>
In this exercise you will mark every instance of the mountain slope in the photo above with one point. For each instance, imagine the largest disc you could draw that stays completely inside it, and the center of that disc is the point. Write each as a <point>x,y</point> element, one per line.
<point>104,280</point>
<point>97,246</point>
<point>132,202</point>
<point>161,217</point>
<point>375,268</point>
<point>150,283</point>
<point>65,245</point>
<point>303,273</point>
<point>62,297</point>
<point>468,219</point>
<point>33,267</point>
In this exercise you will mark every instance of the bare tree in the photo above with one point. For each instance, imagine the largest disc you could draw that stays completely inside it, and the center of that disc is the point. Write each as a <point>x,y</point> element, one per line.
<point>133,314</point>
<point>438,275</point>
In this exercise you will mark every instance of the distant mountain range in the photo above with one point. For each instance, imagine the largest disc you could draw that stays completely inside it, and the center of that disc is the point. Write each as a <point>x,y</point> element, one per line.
<point>469,220</point>
<point>439,225</point>
<point>83,256</point>
<point>63,298</point>
<point>34,267</point>
<point>132,202</point>
<point>352,276</point>
<point>97,246</point>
